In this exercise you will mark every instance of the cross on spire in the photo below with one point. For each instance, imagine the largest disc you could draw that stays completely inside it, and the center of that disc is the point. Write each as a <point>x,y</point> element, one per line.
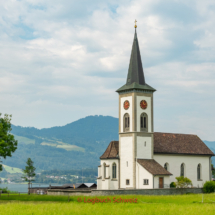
<point>135,23</point>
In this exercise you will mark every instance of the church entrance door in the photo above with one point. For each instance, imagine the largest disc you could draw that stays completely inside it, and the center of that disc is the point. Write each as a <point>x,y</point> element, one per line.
<point>160,182</point>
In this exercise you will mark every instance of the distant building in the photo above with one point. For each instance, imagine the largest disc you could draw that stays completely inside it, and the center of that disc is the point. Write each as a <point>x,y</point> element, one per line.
<point>78,186</point>
<point>142,158</point>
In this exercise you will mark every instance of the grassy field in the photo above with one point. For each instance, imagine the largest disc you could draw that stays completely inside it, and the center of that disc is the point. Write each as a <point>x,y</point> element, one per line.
<point>183,204</point>
<point>50,142</point>
<point>12,169</point>
<point>24,140</point>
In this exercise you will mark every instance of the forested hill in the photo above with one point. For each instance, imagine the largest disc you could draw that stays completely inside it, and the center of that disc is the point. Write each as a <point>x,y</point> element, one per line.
<point>92,133</point>
<point>73,146</point>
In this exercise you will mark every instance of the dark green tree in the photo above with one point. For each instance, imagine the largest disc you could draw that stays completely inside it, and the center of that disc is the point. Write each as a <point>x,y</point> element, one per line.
<point>8,144</point>
<point>213,170</point>
<point>29,173</point>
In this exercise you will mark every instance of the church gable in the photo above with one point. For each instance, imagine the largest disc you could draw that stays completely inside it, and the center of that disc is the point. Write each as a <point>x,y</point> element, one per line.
<point>167,143</point>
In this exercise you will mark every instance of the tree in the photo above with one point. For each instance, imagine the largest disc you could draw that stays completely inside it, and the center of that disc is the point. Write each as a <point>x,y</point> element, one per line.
<point>183,182</point>
<point>29,173</point>
<point>209,187</point>
<point>213,170</point>
<point>8,144</point>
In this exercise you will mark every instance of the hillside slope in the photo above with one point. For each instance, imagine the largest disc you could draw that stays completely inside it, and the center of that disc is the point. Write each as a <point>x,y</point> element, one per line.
<point>73,146</point>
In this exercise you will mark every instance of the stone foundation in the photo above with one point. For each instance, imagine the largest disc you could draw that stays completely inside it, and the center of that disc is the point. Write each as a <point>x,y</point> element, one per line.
<point>76,192</point>
<point>168,191</point>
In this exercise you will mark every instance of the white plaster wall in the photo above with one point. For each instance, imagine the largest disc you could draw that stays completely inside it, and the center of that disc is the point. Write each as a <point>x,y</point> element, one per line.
<point>191,163</point>
<point>166,181</point>
<point>123,111</point>
<point>114,185</point>
<point>106,184</point>
<point>144,152</point>
<point>126,154</point>
<point>99,171</point>
<point>99,184</point>
<point>142,174</point>
<point>147,111</point>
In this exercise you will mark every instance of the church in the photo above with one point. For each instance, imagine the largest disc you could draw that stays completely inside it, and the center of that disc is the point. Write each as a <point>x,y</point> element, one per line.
<point>142,158</point>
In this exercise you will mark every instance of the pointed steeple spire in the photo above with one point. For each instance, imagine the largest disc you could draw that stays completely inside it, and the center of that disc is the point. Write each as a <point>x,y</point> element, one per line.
<point>135,71</point>
<point>135,79</point>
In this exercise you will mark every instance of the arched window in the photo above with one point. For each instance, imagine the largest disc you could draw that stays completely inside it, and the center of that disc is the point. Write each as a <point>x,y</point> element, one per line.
<point>166,166</point>
<point>199,172</point>
<point>126,122</point>
<point>182,169</point>
<point>114,170</point>
<point>143,122</point>
<point>104,170</point>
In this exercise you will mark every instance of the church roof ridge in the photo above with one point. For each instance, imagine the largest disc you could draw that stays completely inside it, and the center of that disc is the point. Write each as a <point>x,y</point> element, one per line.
<point>174,133</point>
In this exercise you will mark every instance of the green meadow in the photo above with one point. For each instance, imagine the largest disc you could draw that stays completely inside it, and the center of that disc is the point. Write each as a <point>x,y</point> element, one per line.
<point>36,204</point>
<point>12,169</point>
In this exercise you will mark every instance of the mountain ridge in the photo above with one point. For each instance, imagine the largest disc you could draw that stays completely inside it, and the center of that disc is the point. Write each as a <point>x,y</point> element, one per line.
<point>76,145</point>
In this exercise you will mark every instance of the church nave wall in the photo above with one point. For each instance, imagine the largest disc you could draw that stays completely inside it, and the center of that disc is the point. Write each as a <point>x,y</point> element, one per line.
<point>190,170</point>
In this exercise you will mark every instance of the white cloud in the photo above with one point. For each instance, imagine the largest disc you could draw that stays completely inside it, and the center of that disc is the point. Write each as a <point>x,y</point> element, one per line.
<point>63,60</point>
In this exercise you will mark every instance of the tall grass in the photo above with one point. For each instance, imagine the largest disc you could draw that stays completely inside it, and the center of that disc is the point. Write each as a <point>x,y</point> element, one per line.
<point>179,205</point>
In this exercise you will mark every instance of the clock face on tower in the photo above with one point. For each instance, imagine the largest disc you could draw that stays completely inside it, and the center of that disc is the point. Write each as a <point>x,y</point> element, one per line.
<point>143,104</point>
<point>126,105</point>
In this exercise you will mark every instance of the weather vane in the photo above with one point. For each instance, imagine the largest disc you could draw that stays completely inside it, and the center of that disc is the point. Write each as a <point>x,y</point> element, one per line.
<point>135,23</point>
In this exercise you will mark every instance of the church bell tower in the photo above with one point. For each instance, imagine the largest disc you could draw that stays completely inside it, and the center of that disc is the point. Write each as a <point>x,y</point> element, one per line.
<point>135,119</point>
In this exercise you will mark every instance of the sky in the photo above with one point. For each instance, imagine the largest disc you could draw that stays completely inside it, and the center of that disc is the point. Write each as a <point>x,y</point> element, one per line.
<point>63,60</point>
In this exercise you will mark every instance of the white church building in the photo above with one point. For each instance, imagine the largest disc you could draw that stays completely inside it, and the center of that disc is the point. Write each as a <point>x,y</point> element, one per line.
<point>142,158</point>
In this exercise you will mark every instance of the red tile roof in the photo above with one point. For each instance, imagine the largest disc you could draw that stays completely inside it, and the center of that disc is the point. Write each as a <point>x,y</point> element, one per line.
<point>166,143</point>
<point>111,151</point>
<point>153,167</point>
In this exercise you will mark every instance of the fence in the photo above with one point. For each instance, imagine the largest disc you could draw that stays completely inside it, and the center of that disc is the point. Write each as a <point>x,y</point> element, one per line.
<point>12,193</point>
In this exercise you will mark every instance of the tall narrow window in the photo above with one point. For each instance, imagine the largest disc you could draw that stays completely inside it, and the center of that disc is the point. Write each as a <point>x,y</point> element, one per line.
<point>166,166</point>
<point>182,169</point>
<point>114,170</point>
<point>199,172</point>
<point>104,170</point>
<point>126,122</point>
<point>143,122</point>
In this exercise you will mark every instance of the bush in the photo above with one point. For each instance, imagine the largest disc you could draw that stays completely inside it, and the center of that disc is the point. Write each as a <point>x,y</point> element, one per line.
<point>183,182</point>
<point>4,190</point>
<point>173,185</point>
<point>209,187</point>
